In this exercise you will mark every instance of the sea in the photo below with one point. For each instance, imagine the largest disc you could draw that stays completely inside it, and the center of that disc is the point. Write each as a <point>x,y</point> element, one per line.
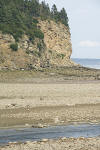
<point>91,63</point>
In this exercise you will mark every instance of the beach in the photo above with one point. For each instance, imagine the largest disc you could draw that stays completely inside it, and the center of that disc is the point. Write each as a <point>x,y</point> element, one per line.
<point>43,102</point>
<point>49,103</point>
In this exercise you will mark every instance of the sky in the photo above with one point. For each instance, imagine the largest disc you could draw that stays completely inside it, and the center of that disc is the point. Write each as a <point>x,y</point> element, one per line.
<point>84,22</point>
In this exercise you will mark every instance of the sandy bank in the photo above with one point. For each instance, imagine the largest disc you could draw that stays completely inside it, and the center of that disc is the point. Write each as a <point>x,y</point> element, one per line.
<point>39,95</point>
<point>61,144</point>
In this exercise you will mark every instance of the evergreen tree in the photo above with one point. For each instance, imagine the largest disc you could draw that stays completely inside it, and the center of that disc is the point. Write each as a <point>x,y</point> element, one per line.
<point>44,10</point>
<point>54,11</point>
<point>18,17</point>
<point>63,17</point>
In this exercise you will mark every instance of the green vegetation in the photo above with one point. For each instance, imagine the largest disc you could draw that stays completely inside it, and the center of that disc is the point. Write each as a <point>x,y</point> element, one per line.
<point>18,17</point>
<point>39,45</point>
<point>59,16</point>
<point>34,52</point>
<point>50,51</point>
<point>14,46</point>
<point>61,55</point>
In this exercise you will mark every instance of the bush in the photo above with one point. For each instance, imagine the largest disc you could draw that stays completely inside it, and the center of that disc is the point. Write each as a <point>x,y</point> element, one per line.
<point>39,45</point>
<point>37,53</point>
<point>61,55</point>
<point>14,46</point>
<point>39,34</point>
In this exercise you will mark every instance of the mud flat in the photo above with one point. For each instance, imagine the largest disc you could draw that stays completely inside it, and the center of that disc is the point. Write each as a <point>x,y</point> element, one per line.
<point>49,104</point>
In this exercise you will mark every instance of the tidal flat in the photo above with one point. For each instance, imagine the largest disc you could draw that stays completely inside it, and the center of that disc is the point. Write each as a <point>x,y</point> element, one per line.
<point>50,100</point>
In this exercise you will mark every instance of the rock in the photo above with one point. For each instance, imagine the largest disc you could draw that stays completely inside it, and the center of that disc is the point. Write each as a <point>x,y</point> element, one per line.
<point>44,140</point>
<point>52,74</point>
<point>28,142</point>
<point>14,142</point>
<point>13,105</point>
<point>38,126</point>
<point>58,42</point>
<point>81,138</point>
<point>22,69</point>
<point>27,106</point>
<point>11,143</point>
<point>7,106</point>
<point>30,48</point>
<point>55,49</point>
<point>98,77</point>
<point>27,125</point>
<point>56,120</point>
<point>63,138</point>
<point>41,98</point>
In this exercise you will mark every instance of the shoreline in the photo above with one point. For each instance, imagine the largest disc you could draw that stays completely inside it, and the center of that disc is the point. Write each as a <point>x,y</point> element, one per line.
<point>59,144</point>
<point>39,126</point>
<point>40,117</point>
<point>50,75</point>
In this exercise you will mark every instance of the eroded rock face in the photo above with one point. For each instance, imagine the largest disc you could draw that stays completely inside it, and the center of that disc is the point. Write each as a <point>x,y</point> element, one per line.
<point>56,48</point>
<point>58,41</point>
<point>27,57</point>
<point>57,37</point>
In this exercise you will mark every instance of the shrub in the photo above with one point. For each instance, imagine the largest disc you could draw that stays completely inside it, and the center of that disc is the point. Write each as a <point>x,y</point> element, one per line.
<point>39,45</point>
<point>61,55</point>
<point>36,53</point>
<point>14,46</point>
<point>50,51</point>
<point>39,34</point>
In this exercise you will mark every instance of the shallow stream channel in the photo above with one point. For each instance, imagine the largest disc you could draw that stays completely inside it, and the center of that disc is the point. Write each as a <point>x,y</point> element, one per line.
<point>36,134</point>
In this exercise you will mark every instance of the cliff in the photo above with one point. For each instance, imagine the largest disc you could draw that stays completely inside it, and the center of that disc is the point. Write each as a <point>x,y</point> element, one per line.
<point>55,49</point>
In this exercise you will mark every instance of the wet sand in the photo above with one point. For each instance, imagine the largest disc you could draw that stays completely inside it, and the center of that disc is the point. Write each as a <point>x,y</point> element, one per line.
<point>45,116</point>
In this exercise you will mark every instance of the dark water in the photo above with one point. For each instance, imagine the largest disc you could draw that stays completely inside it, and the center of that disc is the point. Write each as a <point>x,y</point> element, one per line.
<point>91,63</point>
<point>31,134</point>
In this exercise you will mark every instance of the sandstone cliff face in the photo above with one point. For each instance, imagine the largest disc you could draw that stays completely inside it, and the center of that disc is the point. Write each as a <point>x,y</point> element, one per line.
<point>56,48</point>
<point>28,55</point>
<point>58,41</point>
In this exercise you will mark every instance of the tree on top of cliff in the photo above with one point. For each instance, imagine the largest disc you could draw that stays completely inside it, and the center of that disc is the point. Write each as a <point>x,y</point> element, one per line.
<point>59,16</point>
<point>54,10</point>
<point>64,17</point>
<point>18,17</point>
<point>44,10</point>
<point>55,13</point>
